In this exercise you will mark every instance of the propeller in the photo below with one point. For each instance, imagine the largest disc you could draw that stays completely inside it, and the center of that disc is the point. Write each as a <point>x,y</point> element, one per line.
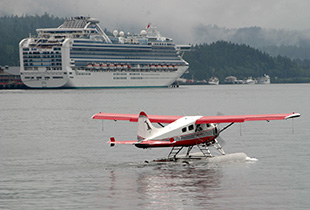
<point>218,137</point>
<point>218,141</point>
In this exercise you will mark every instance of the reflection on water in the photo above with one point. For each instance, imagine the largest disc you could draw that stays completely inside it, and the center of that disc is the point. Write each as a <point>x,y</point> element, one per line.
<point>165,186</point>
<point>171,186</point>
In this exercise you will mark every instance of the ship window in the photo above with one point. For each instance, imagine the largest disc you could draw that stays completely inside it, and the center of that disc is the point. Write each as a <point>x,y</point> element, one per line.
<point>191,127</point>
<point>119,77</point>
<point>119,73</point>
<point>184,129</point>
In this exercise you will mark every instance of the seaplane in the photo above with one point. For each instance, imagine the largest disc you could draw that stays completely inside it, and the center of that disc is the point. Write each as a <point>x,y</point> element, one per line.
<point>178,132</point>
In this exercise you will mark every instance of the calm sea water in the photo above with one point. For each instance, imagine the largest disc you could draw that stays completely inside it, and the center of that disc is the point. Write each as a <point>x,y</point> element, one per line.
<point>54,156</point>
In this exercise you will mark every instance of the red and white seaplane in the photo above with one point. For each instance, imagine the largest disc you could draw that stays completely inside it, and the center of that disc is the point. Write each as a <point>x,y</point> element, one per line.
<point>183,131</point>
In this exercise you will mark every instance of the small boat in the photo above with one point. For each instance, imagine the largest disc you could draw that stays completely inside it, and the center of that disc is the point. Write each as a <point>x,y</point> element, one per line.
<point>250,81</point>
<point>213,81</point>
<point>264,79</point>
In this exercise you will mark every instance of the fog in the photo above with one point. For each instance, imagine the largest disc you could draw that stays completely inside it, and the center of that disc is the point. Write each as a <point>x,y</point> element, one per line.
<point>185,21</point>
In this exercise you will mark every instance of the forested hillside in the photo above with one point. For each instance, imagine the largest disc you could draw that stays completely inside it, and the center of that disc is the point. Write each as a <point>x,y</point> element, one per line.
<point>14,29</point>
<point>222,59</point>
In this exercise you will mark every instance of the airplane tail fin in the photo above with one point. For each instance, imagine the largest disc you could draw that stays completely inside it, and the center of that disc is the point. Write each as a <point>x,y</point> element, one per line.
<point>145,127</point>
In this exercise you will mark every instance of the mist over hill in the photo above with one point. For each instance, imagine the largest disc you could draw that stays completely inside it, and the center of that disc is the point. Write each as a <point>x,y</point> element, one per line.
<point>290,43</point>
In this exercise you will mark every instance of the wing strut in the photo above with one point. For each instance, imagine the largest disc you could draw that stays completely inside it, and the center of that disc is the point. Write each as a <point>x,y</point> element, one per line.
<point>227,126</point>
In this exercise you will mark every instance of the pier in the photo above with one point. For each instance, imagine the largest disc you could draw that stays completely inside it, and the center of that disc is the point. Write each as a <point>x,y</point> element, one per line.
<point>10,78</point>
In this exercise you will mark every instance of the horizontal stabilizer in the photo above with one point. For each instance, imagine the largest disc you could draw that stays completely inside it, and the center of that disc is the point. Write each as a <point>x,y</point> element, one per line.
<point>112,142</point>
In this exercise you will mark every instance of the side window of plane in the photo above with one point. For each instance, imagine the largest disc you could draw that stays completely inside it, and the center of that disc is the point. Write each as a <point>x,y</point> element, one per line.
<point>198,128</point>
<point>191,127</point>
<point>184,129</point>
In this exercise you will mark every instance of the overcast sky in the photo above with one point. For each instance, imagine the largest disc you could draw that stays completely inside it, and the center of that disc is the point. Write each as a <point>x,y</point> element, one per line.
<point>174,18</point>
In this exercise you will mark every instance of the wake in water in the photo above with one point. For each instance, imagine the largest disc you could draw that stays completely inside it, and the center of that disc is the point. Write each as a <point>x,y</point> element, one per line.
<point>197,157</point>
<point>251,159</point>
<point>220,159</point>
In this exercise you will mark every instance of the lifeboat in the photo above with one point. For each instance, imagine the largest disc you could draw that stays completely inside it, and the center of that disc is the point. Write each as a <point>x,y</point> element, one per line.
<point>104,65</point>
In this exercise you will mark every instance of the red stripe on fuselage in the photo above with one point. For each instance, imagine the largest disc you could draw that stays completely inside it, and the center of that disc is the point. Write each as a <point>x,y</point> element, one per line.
<point>167,143</point>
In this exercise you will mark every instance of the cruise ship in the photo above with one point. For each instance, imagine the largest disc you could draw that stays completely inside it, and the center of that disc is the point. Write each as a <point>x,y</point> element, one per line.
<point>79,54</point>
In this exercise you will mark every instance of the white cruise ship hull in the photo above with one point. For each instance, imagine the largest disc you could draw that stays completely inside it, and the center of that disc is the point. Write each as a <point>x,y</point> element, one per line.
<point>84,79</point>
<point>126,79</point>
<point>103,79</point>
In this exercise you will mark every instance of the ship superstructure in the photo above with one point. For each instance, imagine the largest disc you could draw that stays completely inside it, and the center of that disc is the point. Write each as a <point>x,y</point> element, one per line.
<point>79,54</point>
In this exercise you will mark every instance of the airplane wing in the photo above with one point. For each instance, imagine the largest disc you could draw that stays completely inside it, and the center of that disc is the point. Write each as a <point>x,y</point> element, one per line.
<point>205,119</point>
<point>242,118</point>
<point>135,117</point>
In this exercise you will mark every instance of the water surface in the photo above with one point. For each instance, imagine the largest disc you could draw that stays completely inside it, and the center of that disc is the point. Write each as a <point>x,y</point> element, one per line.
<point>54,156</point>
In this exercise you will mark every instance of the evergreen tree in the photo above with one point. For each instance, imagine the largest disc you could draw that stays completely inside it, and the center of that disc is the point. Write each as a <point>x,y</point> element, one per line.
<point>14,29</point>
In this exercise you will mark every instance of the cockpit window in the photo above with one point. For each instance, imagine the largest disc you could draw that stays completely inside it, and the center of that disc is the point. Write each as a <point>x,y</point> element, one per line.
<point>191,127</point>
<point>184,129</point>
